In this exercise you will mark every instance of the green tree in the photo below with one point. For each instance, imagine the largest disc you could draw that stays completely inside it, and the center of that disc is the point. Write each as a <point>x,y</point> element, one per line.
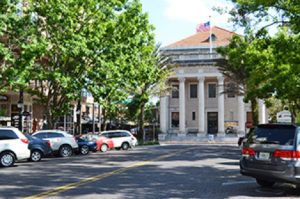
<point>65,47</point>
<point>234,66</point>
<point>152,71</point>
<point>263,14</point>
<point>273,62</point>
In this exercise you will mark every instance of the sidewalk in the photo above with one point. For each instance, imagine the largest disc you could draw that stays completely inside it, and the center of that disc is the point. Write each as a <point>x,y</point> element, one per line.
<point>197,142</point>
<point>194,139</point>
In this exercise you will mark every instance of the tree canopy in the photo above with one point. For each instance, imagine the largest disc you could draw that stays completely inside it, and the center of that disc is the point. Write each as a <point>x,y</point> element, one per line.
<point>271,61</point>
<point>91,44</point>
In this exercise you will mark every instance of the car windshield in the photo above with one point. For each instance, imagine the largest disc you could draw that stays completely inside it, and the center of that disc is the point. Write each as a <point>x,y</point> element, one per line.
<point>273,134</point>
<point>80,139</point>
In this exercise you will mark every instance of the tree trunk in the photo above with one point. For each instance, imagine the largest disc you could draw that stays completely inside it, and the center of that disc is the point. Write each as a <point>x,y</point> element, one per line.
<point>141,135</point>
<point>255,113</point>
<point>104,120</point>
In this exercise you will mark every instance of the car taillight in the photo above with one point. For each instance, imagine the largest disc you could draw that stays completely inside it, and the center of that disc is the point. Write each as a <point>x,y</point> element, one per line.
<point>75,139</point>
<point>248,151</point>
<point>287,154</point>
<point>283,154</point>
<point>24,140</point>
<point>132,138</point>
<point>48,143</point>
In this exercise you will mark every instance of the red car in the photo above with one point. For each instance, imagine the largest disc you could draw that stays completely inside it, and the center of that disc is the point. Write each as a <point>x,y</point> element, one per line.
<point>103,143</point>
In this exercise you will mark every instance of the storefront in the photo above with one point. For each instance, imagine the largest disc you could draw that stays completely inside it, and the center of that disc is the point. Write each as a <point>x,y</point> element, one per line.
<point>9,110</point>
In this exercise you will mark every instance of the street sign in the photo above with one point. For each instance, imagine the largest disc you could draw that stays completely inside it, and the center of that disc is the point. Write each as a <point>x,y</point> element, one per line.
<point>248,124</point>
<point>25,113</point>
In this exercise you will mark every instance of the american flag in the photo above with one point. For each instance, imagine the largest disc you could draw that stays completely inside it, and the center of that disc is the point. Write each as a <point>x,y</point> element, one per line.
<point>203,27</point>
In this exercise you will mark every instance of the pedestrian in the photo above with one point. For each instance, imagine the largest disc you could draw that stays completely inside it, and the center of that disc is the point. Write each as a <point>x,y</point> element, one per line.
<point>34,122</point>
<point>25,132</point>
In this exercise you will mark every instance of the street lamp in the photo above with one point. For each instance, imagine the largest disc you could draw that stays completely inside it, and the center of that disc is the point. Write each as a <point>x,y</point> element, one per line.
<point>78,112</point>
<point>20,105</point>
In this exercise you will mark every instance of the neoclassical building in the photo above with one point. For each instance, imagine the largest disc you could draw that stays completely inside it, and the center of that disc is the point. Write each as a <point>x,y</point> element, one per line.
<point>197,105</point>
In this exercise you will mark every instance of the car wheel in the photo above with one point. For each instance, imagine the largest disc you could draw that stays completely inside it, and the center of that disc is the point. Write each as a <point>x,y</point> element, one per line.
<point>84,150</point>
<point>118,148</point>
<point>65,151</point>
<point>35,156</point>
<point>103,148</point>
<point>125,146</point>
<point>7,159</point>
<point>264,183</point>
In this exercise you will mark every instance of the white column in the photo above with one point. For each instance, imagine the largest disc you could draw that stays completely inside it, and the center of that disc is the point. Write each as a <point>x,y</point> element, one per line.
<point>163,114</point>
<point>241,115</point>
<point>201,110</point>
<point>221,129</point>
<point>262,112</point>
<point>182,105</point>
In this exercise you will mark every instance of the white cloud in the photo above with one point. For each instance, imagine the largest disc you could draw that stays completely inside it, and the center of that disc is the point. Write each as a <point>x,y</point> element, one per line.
<point>197,11</point>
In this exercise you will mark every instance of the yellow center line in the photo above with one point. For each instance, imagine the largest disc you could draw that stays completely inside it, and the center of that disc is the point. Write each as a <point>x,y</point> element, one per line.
<point>101,176</point>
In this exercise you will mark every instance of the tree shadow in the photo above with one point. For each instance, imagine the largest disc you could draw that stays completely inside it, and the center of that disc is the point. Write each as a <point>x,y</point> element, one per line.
<point>208,171</point>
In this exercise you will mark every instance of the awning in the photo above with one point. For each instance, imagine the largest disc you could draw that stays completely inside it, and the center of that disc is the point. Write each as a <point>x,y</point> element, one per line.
<point>91,106</point>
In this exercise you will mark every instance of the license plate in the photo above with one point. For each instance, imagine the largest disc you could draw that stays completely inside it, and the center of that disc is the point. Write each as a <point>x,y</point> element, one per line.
<point>264,156</point>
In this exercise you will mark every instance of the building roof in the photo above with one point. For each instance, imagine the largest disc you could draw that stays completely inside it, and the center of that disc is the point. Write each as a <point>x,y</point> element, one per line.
<point>202,38</point>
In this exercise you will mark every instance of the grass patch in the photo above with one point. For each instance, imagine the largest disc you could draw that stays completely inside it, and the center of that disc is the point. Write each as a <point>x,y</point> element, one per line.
<point>141,143</point>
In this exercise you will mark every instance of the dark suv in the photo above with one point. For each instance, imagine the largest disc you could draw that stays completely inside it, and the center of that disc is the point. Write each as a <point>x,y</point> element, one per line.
<point>272,154</point>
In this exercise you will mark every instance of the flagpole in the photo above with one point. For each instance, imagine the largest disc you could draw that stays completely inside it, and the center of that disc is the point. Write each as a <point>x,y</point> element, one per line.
<point>210,39</point>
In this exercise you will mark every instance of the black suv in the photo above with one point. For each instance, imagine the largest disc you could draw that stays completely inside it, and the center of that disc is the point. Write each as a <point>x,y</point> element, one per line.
<point>272,154</point>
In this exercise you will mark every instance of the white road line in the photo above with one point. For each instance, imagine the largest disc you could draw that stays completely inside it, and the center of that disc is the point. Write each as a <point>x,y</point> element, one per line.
<point>234,183</point>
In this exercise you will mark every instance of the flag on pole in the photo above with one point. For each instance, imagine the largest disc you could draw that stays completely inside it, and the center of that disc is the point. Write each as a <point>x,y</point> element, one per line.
<point>203,27</point>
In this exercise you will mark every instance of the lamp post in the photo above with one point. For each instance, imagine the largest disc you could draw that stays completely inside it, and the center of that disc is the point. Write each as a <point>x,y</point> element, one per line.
<point>21,106</point>
<point>153,122</point>
<point>78,112</point>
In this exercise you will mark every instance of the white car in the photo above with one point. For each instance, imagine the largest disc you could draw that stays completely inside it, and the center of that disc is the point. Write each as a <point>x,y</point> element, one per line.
<point>121,138</point>
<point>13,146</point>
<point>61,142</point>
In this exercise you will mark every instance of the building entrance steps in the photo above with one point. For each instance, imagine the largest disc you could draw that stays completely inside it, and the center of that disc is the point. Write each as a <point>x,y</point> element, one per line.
<point>192,137</point>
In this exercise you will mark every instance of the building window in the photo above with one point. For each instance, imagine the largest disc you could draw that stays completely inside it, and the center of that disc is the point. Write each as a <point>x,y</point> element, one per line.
<point>175,92</point>
<point>213,37</point>
<point>212,90</point>
<point>194,56</point>
<point>175,119</point>
<point>230,90</point>
<point>4,110</point>
<point>193,91</point>
<point>194,115</point>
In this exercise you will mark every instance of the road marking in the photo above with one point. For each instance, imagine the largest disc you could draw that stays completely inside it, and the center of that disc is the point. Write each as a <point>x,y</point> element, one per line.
<point>234,183</point>
<point>101,176</point>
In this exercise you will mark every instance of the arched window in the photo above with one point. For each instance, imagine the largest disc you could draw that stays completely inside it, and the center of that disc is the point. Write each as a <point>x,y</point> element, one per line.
<point>213,37</point>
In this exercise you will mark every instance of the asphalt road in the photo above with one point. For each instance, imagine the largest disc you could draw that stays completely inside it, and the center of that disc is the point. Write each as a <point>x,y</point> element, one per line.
<point>170,171</point>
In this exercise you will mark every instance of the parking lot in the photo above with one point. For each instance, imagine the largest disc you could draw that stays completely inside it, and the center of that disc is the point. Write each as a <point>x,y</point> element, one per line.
<point>168,171</point>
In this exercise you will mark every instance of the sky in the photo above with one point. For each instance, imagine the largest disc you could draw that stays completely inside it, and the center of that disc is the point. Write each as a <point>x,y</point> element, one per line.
<point>177,19</point>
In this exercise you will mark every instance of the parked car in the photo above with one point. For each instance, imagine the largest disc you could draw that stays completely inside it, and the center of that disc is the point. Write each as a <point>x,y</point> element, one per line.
<point>242,139</point>
<point>86,146</point>
<point>134,141</point>
<point>103,143</point>
<point>62,143</point>
<point>271,154</point>
<point>121,138</point>
<point>13,146</point>
<point>38,148</point>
